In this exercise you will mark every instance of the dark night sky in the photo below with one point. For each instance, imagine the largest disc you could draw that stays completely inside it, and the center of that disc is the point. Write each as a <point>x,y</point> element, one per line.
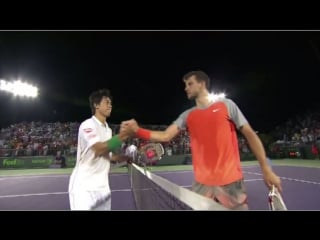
<point>271,75</point>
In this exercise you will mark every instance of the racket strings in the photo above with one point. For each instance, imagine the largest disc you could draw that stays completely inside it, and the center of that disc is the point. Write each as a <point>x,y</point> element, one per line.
<point>275,200</point>
<point>149,154</point>
<point>277,203</point>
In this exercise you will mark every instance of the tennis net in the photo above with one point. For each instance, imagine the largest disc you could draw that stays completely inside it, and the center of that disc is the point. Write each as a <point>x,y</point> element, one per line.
<point>153,192</point>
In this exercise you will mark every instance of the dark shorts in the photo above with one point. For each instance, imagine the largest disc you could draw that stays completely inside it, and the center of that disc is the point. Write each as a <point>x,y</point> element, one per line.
<point>232,196</point>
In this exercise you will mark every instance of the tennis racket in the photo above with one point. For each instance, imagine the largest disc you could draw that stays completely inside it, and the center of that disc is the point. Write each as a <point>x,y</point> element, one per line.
<point>275,199</point>
<point>276,202</point>
<point>150,154</point>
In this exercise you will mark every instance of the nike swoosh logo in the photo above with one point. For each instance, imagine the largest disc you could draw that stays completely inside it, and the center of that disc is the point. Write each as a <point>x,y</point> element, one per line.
<point>215,110</point>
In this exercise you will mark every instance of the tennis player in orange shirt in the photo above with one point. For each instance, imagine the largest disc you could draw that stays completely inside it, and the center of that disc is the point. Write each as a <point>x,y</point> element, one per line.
<point>212,126</point>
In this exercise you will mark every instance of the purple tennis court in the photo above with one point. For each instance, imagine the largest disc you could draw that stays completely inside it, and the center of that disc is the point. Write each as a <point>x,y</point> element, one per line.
<point>49,192</point>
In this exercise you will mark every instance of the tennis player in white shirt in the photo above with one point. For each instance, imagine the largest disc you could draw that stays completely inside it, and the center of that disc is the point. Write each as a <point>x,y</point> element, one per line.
<point>89,182</point>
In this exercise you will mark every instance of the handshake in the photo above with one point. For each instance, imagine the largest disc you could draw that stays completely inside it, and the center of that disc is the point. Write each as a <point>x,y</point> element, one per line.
<point>128,129</point>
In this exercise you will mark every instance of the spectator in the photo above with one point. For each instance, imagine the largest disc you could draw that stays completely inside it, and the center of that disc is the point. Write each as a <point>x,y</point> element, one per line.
<point>315,151</point>
<point>60,160</point>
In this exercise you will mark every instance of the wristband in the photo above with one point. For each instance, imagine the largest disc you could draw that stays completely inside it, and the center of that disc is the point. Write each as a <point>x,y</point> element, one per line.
<point>143,133</point>
<point>114,143</point>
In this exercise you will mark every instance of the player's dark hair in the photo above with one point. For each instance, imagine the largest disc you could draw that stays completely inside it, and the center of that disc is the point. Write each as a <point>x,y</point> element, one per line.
<point>200,77</point>
<point>96,97</point>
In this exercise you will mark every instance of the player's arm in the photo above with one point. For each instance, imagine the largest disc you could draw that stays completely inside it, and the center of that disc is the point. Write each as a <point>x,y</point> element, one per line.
<point>103,148</point>
<point>120,158</point>
<point>257,148</point>
<point>157,136</point>
<point>255,145</point>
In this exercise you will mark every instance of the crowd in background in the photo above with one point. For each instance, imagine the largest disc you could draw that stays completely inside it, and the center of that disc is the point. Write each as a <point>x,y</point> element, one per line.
<point>46,139</point>
<point>301,129</point>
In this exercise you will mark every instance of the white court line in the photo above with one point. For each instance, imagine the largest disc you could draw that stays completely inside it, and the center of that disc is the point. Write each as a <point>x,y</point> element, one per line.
<point>122,190</point>
<point>252,180</point>
<point>246,180</point>
<point>32,194</point>
<point>117,174</point>
<point>253,166</point>
<point>300,180</point>
<point>188,171</point>
<point>53,193</point>
<point>49,176</point>
<point>290,179</point>
<point>33,176</point>
<point>170,172</point>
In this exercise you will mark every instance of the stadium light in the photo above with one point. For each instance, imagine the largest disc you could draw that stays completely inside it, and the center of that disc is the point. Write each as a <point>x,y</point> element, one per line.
<point>19,88</point>
<point>215,96</point>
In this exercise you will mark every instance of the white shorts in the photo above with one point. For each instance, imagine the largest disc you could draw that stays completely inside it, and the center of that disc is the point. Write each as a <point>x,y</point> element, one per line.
<point>90,200</point>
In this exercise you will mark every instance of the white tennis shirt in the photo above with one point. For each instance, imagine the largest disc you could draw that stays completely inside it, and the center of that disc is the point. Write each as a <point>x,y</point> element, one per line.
<point>91,173</point>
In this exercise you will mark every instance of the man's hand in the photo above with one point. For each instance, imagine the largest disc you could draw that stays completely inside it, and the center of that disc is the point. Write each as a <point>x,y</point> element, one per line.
<point>126,129</point>
<point>129,125</point>
<point>270,178</point>
<point>121,158</point>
